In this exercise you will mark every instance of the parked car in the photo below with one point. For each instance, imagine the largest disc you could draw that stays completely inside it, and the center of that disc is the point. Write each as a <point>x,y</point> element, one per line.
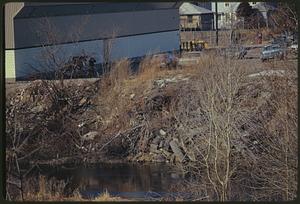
<point>272,51</point>
<point>294,47</point>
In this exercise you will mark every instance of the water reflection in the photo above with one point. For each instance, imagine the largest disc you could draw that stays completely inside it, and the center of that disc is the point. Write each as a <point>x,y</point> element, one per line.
<point>126,180</point>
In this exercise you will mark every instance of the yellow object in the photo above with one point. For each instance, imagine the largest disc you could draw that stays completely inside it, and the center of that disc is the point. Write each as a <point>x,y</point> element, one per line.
<point>202,43</point>
<point>193,44</point>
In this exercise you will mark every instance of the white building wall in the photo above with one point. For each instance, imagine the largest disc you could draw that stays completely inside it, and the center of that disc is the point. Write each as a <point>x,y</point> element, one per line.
<point>10,10</point>
<point>28,61</point>
<point>140,45</point>
<point>225,8</point>
<point>34,60</point>
<point>39,31</point>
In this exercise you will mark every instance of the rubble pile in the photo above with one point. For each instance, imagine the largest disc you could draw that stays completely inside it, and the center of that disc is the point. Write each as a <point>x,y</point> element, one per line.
<point>43,115</point>
<point>162,123</point>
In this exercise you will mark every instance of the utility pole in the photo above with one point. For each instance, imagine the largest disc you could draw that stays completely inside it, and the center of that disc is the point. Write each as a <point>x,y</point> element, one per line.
<point>217,34</point>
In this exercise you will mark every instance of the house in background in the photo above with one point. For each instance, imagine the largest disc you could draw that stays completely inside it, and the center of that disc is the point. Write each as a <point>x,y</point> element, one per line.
<point>193,17</point>
<point>227,11</point>
<point>37,33</point>
<point>265,8</point>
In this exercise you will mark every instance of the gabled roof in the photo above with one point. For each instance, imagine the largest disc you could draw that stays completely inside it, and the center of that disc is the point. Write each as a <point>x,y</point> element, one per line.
<point>191,9</point>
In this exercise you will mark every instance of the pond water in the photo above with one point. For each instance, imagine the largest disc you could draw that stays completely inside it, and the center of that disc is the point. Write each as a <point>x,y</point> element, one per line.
<point>139,181</point>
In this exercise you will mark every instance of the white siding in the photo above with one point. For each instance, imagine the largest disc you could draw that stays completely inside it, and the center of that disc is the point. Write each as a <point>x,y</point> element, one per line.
<point>32,59</point>
<point>141,45</point>
<point>126,47</point>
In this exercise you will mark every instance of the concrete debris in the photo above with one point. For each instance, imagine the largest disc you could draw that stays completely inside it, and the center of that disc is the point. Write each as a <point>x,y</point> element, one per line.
<point>162,132</point>
<point>82,101</point>
<point>161,144</point>
<point>65,114</point>
<point>166,153</point>
<point>177,151</point>
<point>37,109</point>
<point>89,136</point>
<point>163,82</point>
<point>279,73</point>
<point>156,140</point>
<point>153,148</point>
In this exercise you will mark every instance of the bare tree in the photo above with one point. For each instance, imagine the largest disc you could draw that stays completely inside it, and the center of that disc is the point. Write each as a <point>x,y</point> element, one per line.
<point>108,46</point>
<point>284,18</point>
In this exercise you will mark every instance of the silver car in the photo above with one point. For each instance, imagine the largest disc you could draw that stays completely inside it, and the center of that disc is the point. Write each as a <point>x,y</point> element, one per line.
<point>271,52</point>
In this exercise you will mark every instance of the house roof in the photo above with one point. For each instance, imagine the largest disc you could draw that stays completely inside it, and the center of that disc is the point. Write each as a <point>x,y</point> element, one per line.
<point>191,9</point>
<point>263,6</point>
<point>63,9</point>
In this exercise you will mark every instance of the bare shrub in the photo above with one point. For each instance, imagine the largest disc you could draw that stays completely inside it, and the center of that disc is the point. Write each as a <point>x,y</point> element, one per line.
<point>207,121</point>
<point>241,130</point>
<point>275,176</point>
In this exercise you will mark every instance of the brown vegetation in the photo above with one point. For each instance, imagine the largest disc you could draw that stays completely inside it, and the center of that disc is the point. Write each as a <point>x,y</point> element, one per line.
<point>53,190</point>
<point>235,135</point>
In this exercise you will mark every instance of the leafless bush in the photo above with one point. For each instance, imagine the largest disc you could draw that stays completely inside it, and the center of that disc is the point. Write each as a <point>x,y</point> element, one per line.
<point>242,132</point>
<point>207,121</point>
<point>275,176</point>
<point>42,125</point>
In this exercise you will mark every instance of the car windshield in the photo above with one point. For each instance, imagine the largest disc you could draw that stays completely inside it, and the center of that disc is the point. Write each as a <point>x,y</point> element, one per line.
<point>268,48</point>
<point>276,46</point>
<point>272,47</point>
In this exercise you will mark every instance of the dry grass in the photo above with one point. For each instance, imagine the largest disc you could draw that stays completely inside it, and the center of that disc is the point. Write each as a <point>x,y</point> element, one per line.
<point>120,87</point>
<point>149,68</point>
<point>118,73</point>
<point>52,190</point>
<point>105,196</point>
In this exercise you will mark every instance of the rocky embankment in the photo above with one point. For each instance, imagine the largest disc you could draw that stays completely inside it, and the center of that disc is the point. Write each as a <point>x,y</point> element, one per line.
<point>157,120</point>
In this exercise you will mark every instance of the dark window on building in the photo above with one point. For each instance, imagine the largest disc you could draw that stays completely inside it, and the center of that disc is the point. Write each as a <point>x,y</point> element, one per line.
<point>219,16</point>
<point>190,19</point>
<point>226,4</point>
